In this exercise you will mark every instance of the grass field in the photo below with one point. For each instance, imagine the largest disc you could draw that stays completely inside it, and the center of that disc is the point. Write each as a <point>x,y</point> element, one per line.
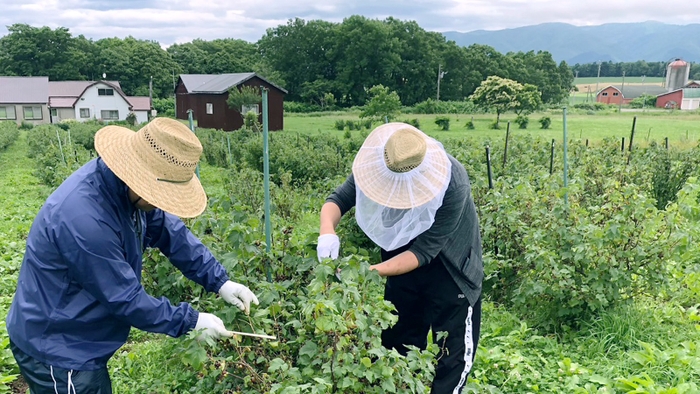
<point>682,129</point>
<point>615,80</point>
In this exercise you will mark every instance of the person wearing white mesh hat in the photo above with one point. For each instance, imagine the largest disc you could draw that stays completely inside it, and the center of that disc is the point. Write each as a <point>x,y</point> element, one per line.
<point>79,289</point>
<point>414,201</point>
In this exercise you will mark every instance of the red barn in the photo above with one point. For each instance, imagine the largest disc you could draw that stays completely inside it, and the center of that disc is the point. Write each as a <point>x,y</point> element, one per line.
<point>614,94</point>
<point>670,100</point>
<point>206,95</point>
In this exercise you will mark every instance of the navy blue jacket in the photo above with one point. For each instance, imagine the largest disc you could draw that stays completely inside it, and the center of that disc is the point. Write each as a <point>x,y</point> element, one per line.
<point>79,290</point>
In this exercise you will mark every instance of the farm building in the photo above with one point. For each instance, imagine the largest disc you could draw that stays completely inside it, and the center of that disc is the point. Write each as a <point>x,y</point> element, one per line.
<point>24,99</point>
<point>687,98</point>
<point>104,100</point>
<point>206,95</point>
<point>39,101</point>
<point>614,94</point>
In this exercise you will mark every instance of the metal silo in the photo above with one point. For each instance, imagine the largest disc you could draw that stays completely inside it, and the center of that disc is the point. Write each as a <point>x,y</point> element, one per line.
<point>677,74</point>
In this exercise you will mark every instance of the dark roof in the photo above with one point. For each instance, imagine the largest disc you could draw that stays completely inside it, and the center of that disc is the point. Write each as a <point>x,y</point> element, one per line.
<point>634,91</point>
<point>72,88</point>
<point>217,83</point>
<point>24,90</point>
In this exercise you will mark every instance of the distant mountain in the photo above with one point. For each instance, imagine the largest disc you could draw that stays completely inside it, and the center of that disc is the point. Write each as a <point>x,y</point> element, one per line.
<point>616,42</point>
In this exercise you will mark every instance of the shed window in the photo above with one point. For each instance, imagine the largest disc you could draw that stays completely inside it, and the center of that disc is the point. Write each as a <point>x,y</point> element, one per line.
<point>7,112</point>
<point>105,92</point>
<point>248,108</point>
<point>54,112</point>
<point>109,114</point>
<point>32,113</point>
<point>605,93</point>
<point>616,94</point>
<point>210,109</point>
<point>85,113</point>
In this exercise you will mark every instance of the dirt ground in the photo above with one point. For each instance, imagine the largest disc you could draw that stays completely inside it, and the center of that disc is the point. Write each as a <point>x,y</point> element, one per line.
<point>19,386</point>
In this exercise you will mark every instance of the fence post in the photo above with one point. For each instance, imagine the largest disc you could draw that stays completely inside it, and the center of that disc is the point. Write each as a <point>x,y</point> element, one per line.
<point>191,120</point>
<point>551,158</point>
<point>266,182</point>
<point>505,151</point>
<point>488,166</point>
<point>228,140</point>
<point>666,143</point>
<point>566,162</point>
<point>622,147</point>
<point>60,146</point>
<point>634,125</point>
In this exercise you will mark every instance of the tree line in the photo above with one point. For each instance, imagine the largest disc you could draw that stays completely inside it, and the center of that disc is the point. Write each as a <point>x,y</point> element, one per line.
<point>316,61</point>
<point>631,69</point>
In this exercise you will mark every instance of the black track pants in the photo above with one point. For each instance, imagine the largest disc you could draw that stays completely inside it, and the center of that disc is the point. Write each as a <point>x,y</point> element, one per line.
<point>47,379</point>
<point>429,298</point>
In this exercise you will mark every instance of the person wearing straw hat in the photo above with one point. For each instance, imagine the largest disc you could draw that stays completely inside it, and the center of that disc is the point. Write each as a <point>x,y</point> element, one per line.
<point>79,291</point>
<point>414,201</point>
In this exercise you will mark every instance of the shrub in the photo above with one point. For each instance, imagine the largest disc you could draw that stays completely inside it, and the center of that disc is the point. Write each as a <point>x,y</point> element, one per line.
<point>495,125</point>
<point>367,124</point>
<point>443,122</point>
<point>522,121</point>
<point>131,118</point>
<point>251,121</point>
<point>413,122</point>
<point>545,122</point>
<point>470,124</point>
<point>26,125</point>
<point>340,124</point>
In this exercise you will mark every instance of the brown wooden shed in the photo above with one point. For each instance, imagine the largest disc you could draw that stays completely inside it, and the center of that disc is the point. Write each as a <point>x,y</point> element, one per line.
<point>206,95</point>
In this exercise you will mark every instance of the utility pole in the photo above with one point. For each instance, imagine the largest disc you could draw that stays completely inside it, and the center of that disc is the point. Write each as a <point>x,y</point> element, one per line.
<point>574,90</point>
<point>622,94</point>
<point>598,78</point>
<point>440,75</point>
<point>644,102</point>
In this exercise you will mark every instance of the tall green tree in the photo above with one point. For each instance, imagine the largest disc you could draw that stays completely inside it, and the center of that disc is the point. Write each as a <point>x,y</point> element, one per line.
<point>503,94</point>
<point>301,52</point>
<point>218,56</point>
<point>133,62</point>
<point>383,104</point>
<point>41,51</point>
<point>367,55</point>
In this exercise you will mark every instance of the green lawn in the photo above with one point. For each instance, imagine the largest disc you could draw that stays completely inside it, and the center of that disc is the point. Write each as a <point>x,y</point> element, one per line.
<point>617,80</point>
<point>682,129</point>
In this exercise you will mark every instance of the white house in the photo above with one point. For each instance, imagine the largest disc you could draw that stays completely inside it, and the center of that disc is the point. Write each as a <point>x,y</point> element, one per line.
<point>103,100</point>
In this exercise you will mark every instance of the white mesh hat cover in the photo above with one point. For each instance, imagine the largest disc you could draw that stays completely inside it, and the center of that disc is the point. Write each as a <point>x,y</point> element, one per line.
<point>393,208</point>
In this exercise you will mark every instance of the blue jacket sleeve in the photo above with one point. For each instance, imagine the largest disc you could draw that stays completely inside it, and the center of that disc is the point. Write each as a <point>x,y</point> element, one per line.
<point>186,252</point>
<point>96,260</point>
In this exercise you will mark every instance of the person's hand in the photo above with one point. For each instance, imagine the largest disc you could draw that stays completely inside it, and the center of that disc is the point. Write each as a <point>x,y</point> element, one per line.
<point>238,295</point>
<point>328,246</point>
<point>213,327</point>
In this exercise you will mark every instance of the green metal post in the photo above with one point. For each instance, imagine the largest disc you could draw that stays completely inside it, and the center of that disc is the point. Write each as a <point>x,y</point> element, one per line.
<point>266,179</point>
<point>191,119</point>
<point>228,140</point>
<point>566,162</point>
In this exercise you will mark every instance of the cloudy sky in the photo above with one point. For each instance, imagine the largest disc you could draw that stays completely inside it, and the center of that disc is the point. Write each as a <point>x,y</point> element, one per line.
<point>176,21</point>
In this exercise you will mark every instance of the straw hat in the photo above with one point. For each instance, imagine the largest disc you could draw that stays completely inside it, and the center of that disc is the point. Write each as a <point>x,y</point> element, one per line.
<point>399,166</point>
<point>158,163</point>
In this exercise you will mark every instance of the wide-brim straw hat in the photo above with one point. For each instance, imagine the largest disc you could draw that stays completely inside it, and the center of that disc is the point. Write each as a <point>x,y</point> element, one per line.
<point>399,166</point>
<point>158,163</point>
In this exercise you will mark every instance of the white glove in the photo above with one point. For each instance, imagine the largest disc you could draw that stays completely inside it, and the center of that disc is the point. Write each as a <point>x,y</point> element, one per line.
<point>238,295</point>
<point>328,246</point>
<point>213,327</point>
